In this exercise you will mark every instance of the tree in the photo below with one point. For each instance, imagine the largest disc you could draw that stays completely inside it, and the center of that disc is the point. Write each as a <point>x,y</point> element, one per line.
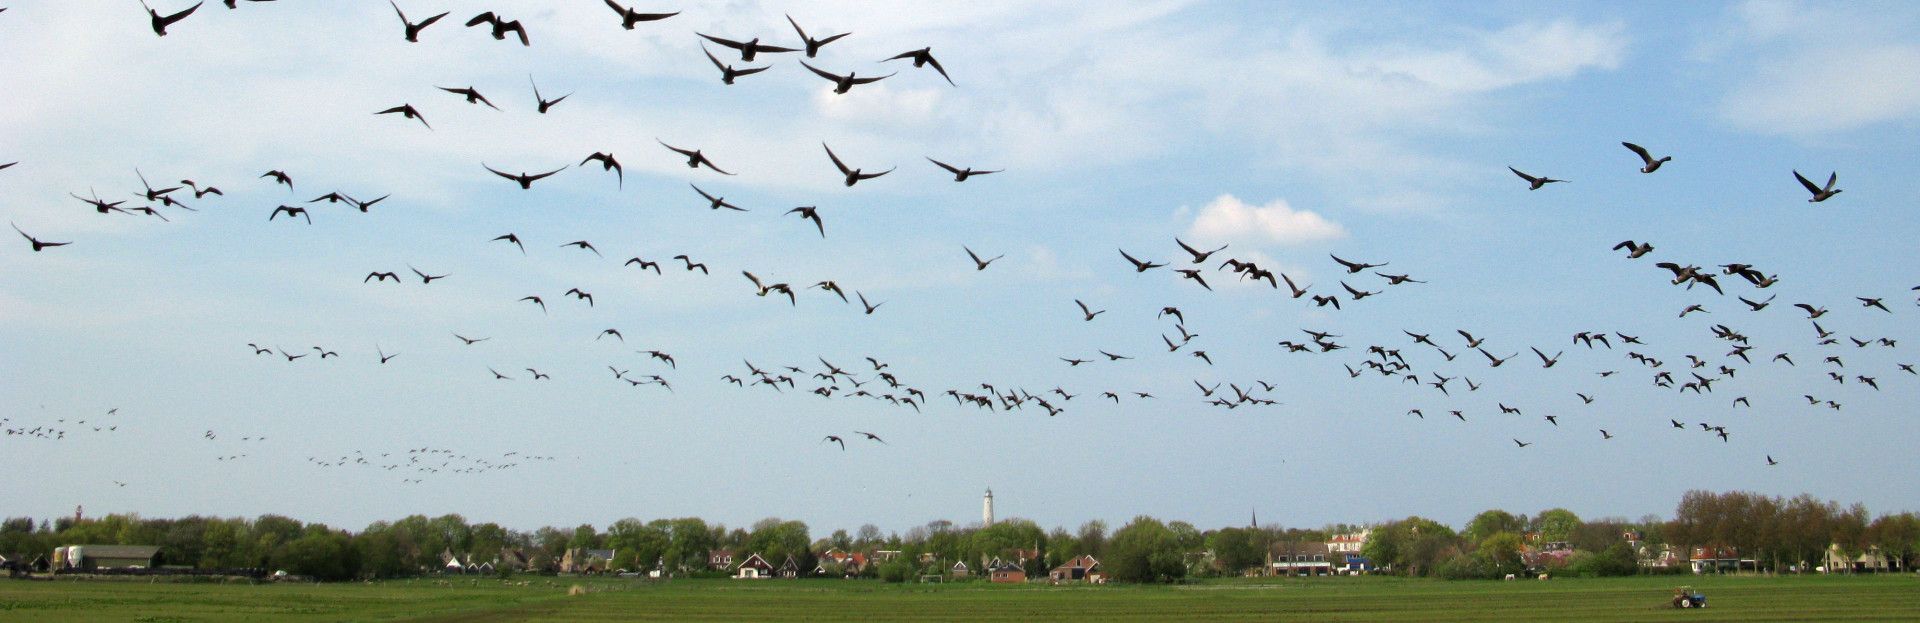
<point>1092,539</point>
<point>322,555</point>
<point>1411,546</point>
<point>1556,524</point>
<point>1491,522</point>
<point>1500,553</point>
<point>1234,550</point>
<point>1144,550</point>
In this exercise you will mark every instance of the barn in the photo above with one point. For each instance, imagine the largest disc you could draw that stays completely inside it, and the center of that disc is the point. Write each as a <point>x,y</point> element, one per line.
<point>97,557</point>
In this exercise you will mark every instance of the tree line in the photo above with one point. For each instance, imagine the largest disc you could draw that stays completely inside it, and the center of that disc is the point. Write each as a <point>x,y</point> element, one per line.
<point>1779,534</point>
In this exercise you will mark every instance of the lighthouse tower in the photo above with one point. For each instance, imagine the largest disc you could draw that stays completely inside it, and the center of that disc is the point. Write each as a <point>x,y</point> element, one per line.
<point>986,509</point>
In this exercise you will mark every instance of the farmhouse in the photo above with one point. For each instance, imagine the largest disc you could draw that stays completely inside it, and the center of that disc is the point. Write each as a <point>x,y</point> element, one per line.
<point>1082,568</point>
<point>1003,572</point>
<point>720,559</point>
<point>753,568</point>
<point>580,560</point>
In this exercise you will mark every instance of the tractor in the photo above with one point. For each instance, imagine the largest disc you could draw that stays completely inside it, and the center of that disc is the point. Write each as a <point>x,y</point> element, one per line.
<point>1685,597</point>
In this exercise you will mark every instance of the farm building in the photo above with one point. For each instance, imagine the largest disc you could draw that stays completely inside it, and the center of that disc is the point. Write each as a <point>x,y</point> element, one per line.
<point>1003,572</point>
<point>1299,558</point>
<point>98,557</point>
<point>754,568</point>
<point>1080,569</point>
<point>579,560</point>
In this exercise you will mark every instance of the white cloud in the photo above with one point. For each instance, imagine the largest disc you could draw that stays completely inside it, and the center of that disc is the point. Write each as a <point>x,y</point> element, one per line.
<point>1829,90</point>
<point>1856,70</point>
<point>1228,218</point>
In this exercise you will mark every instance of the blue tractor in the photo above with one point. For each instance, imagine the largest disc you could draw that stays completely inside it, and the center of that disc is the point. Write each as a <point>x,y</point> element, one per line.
<point>1685,597</point>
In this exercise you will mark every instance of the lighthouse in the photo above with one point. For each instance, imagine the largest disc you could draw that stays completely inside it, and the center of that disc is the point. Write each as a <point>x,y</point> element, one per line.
<point>986,509</point>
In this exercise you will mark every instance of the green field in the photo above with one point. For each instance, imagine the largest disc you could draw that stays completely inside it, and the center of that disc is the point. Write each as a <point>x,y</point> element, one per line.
<point>1881,598</point>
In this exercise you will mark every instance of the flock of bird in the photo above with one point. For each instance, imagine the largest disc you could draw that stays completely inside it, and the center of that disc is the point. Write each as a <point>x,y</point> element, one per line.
<point>1425,359</point>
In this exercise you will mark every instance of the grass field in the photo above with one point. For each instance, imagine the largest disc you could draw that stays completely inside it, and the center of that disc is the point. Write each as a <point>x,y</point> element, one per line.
<point>1882,598</point>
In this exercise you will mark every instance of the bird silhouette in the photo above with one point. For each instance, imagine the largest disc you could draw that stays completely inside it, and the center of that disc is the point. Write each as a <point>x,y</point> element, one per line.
<point>842,84</point>
<point>852,175</point>
<point>500,27</point>
<point>407,110</point>
<point>1820,193</point>
<point>1651,164</point>
<point>525,180</point>
<point>921,58</point>
<point>413,29</point>
<point>161,22</point>
<point>35,242</point>
<point>980,264</point>
<point>813,45</point>
<point>1534,183</point>
<point>630,17</point>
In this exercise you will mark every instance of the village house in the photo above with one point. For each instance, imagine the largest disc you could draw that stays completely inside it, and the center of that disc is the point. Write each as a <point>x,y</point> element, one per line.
<point>851,564</point>
<point>1081,568</point>
<point>720,559</point>
<point>959,570</point>
<point>1344,550</point>
<point>789,569</point>
<point>1299,558</point>
<point>1869,561</point>
<point>1718,558</point>
<point>1004,572</point>
<point>754,568</point>
<point>586,561</point>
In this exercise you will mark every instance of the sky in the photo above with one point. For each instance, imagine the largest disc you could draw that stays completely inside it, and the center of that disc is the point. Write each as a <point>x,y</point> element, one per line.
<point>1379,132</point>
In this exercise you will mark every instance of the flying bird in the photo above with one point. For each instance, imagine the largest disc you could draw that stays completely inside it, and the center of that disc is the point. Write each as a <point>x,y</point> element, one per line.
<point>812,213</point>
<point>836,439</point>
<point>1088,312</point>
<point>1819,193</point>
<point>280,177</point>
<point>852,175</point>
<point>509,237</point>
<point>501,27</point>
<point>748,49</point>
<point>720,202</point>
<point>525,180</point>
<point>382,276</point>
<point>537,301</point>
<point>922,58</point>
<point>727,71</point>
<point>813,45</point>
<point>407,110</point>
<point>694,157</point>
<point>608,163</point>
<point>161,22</point>
<point>842,84</point>
<point>37,244</point>
<point>1199,257</point>
<point>959,174</point>
<point>544,103</point>
<point>1354,267</point>
<point>1652,164</point>
<point>1634,251</point>
<point>1139,266</point>
<point>291,212</point>
<point>582,244</point>
<point>413,29</point>
<point>425,278</point>
<point>979,264</point>
<point>1534,183</point>
<point>472,96</point>
<point>870,307</point>
<point>629,17</point>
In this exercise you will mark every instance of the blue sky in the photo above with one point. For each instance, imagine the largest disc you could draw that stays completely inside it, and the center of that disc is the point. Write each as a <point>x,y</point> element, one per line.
<point>1379,131</point>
